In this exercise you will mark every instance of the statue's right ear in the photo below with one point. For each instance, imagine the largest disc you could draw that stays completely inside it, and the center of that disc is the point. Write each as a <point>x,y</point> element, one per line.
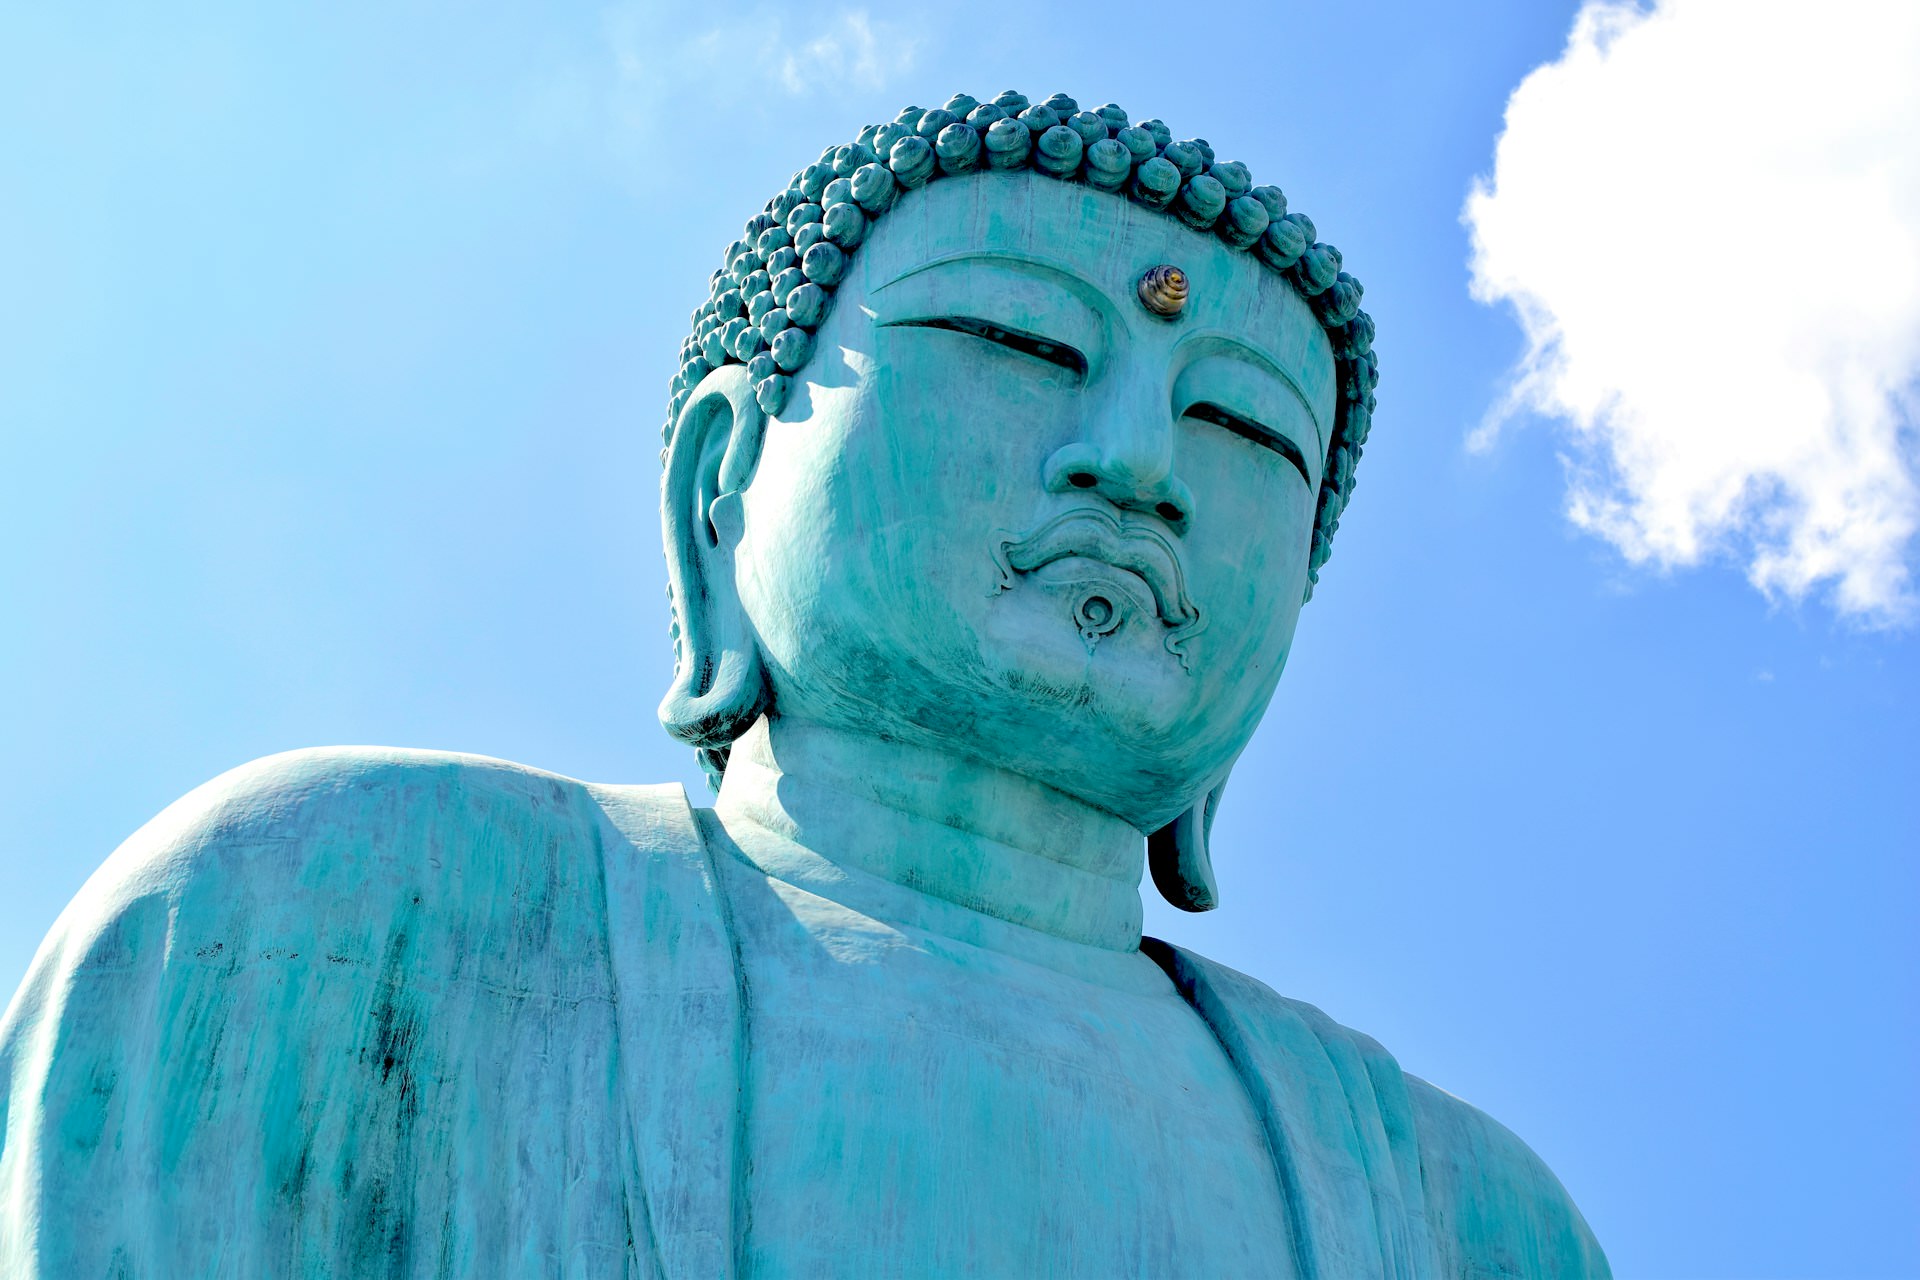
<point>719,685</point>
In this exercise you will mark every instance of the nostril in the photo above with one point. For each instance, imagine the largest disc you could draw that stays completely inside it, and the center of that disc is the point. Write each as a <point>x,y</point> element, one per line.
<point>1082,480</point>
<point>1167,511</point>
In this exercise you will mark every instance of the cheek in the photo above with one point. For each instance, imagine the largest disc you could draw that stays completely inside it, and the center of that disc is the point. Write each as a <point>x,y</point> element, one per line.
<point>952,443</point>
<point>870,518</point>
<point>1248,548</point>
<point>962,413</point>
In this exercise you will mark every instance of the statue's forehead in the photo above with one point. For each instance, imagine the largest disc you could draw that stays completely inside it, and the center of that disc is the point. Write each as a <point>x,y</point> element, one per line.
<point>1104,243</point>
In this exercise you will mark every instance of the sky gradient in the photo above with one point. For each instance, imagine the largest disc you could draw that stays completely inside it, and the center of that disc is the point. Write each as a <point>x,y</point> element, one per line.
<point>332,364</point>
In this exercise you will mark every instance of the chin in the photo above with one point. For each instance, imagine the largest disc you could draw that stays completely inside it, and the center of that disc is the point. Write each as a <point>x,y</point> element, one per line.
<point>1013,680</point>
<point>1120,724</point>
<point>1093,643</point>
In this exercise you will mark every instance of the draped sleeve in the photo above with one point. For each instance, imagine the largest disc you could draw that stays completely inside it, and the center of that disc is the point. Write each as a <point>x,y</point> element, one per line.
<point>359,1012</point>
<point>1385,1176</point>
<point>1498,1212</point>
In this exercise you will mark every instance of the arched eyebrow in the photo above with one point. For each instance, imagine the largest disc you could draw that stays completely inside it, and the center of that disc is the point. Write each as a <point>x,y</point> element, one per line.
<point>1246,428</point>
<point>1036,307</point>
<point>1059,353</point>
<point>1211,342</point>
<point>1043,268</point>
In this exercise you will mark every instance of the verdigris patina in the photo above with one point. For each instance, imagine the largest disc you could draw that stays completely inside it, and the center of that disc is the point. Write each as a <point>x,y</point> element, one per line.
<point>990,506</point>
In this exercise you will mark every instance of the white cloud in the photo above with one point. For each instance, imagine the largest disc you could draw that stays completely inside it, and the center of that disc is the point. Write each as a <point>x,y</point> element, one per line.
<point>1707,218</point>
<point>842,50</point>
<point>796,53</point>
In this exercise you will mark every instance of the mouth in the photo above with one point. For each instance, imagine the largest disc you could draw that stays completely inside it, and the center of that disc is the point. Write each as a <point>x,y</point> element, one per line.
<point>1103,561</point>
<point>1100,596</point>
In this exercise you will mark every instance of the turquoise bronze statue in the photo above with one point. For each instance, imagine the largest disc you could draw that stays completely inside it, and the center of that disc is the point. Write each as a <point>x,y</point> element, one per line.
<point>1000,462</point>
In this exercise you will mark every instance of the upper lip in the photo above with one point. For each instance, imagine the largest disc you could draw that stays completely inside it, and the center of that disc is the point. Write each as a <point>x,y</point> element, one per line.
<point>1135,546</point>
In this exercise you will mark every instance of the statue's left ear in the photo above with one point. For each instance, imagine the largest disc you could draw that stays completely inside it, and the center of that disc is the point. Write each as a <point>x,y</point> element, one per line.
<point>1177,855</point>
<point>719,685</point>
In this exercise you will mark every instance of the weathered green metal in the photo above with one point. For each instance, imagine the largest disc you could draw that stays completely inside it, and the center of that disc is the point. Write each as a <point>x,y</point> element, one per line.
<point>974,612</point>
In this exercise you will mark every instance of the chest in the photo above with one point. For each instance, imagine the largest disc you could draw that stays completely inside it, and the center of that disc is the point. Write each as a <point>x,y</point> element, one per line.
<point>953,1110</point>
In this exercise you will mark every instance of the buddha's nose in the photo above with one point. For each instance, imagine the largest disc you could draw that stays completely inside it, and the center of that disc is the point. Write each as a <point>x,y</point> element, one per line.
<point>1126,457</point>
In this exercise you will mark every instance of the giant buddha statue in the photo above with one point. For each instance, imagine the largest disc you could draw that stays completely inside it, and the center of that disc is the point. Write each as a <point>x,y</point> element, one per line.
<point>1000,462</point>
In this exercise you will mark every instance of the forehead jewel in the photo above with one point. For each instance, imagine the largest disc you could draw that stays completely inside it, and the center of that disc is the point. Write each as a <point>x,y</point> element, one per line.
<point>777,285</point>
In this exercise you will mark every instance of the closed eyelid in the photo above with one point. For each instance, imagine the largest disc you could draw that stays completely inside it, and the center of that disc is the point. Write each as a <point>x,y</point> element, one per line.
<point>1229,356</point>
<point>1057,353</point>
<point>1207,411</point>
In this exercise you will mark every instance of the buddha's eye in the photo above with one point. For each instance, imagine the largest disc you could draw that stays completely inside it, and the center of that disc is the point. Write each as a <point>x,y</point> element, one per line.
<point>1205,411</point>
<point>1025,343</point>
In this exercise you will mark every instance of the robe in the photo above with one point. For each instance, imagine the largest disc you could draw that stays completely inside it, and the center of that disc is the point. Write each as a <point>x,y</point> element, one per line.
<point>363,1012</point>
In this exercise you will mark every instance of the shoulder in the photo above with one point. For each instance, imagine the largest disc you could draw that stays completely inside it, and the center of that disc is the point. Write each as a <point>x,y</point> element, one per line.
<point>1492,1200</point>
<point>319,849</point>
<point>1443,1177</point>
<point>363,963</point>
<point>351,811</point>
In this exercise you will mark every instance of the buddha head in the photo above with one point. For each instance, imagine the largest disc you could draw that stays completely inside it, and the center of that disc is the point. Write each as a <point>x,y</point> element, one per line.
<point>1018,431</point>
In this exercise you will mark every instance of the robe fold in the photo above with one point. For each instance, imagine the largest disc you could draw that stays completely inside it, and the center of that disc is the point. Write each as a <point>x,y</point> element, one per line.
<point>376,1013</point>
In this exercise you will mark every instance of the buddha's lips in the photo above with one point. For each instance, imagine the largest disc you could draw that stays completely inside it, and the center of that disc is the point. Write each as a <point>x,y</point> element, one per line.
<point>1135,547</point>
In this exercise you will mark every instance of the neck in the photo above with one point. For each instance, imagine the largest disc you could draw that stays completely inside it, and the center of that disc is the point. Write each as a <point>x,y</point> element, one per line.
<point>947,826</point>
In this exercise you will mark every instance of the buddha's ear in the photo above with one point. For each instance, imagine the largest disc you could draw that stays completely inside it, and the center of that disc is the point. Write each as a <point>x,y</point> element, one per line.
<point>719,685</point>
<point>1179,858</point>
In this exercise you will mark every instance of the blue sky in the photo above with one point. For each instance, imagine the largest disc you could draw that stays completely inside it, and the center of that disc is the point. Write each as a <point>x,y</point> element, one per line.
<point>334,352</point>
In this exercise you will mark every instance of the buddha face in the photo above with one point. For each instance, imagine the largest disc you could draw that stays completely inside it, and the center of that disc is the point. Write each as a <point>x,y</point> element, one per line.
<point>1010,510</point>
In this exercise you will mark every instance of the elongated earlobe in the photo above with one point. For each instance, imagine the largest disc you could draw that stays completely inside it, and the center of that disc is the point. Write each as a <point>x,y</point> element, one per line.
<point>719,685</point>
<point>1178,856</point>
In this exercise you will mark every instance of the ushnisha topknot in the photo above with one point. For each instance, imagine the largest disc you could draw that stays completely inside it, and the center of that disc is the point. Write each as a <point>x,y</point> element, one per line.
<point>778,282</point>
